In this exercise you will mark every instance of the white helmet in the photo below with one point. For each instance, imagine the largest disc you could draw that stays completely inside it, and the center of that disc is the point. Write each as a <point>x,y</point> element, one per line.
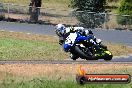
<point>60,29</point>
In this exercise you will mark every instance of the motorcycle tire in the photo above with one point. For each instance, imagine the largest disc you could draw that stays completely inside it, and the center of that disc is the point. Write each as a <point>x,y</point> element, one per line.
<point>81,54</point>
<point>108,58</point>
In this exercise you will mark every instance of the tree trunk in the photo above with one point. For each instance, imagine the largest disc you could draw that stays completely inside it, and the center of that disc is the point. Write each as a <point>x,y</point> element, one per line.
<point>34,10</point>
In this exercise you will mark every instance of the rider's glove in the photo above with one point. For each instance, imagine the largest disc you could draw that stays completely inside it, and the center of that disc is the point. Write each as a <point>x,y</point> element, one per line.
<point>61,42</point>
<point>90,32</point>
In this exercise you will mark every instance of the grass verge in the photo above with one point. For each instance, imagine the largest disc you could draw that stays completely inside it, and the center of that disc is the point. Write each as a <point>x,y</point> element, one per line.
<point>20,46</point>
<point>57,76</point>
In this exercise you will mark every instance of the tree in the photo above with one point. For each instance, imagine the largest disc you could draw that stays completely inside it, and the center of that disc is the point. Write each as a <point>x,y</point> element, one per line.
<point>87,11</point>
<point>89,5</point>
<point>125,8</point>
<point>34,10</point>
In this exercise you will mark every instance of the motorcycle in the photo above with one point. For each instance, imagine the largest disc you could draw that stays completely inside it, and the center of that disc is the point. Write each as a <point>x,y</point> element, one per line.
<point>82,47</point>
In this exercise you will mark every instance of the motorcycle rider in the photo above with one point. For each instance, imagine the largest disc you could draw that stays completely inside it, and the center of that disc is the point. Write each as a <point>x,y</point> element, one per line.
<point>66,39</point>
<point>62,32</point>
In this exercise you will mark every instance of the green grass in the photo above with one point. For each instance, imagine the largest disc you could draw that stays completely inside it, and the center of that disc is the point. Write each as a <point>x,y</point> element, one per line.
<point>43,83</point>
<point>15,49</point>
<point>20,46</point>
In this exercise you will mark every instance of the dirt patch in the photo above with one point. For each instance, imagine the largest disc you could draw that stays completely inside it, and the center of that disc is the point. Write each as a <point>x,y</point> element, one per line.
<point>57,20</point>
<point>118,49</point>
<point>61,71</point>
<point>45,19</point>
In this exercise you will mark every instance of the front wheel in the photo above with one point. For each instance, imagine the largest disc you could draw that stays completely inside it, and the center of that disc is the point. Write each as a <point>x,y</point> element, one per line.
<point>108,58</point>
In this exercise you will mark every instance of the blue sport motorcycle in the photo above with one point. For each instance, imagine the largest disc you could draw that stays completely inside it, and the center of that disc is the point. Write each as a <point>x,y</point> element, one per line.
<point>82,46</point>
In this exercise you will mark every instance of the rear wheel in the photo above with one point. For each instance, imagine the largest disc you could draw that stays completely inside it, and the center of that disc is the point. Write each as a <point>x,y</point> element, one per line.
<point>81,54</point>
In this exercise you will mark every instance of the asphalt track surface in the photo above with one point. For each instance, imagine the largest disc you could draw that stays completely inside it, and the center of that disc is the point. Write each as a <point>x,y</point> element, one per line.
<point>116,36</point>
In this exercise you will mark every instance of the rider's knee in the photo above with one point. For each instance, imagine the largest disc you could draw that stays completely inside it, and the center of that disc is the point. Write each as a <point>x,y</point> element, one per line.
<point>67,47</point>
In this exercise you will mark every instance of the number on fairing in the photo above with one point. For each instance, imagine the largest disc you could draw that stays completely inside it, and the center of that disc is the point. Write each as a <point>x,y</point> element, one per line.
<point>71,38</point>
